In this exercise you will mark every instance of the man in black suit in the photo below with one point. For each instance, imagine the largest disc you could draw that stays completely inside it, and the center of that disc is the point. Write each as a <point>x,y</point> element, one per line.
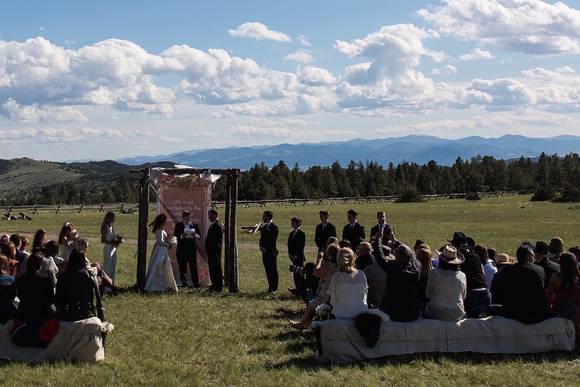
<point>381,227</point>
<point>187,234</point>
<point>520,289</point>
<point>323,231</point>
<point>353,232</point>
<point>213,250</point>
<point>296,244</point>
<point>268,237</point>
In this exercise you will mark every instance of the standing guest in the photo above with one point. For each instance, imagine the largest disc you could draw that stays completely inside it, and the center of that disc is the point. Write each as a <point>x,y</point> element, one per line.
<point>353,232</point>
<point>446,288</point>
<point>324,230</point>
<point>213,250</point>
<point>424,254</point>
<point>38,240</point>
<point>159,272</point>
<point>364,256</point>
<point>268,238</point>
<point>381,227</point>
<point>541,251</point>
<point>7,292</point>
<point>564,291</point>
<point>110,243</point>
<point>489,269</point>
<point>555,248</point>
<point>348,287</point>
<point>519,289</point>
<point>325,268</point>
<point>21,256</point>
<point>67,240</point>
<point>76,292</point>
<point>402,293</point>
<point>8,249</point>
<point>187,234</point>
<point>296,244</point>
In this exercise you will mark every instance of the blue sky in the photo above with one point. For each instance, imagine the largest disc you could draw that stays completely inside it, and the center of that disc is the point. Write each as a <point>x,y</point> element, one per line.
<point>106,79</point>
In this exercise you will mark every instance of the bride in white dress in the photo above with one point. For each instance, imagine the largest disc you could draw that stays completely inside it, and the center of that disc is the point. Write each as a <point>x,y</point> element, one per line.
<point>159,272</point>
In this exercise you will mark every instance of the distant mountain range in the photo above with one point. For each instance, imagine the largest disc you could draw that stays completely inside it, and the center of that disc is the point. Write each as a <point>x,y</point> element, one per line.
<point>418,149</point>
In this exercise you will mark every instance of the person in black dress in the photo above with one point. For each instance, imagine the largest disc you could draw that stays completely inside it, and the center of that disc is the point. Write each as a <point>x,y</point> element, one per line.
<point>353,232</point>
<point>187,234</point>
<point>324,230</point>
<point>213,250</point>
<point>268,237</point>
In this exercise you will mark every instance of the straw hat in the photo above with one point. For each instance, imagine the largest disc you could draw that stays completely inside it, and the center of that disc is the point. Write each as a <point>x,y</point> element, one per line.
<point>451,256</point>
<point>504,259</point>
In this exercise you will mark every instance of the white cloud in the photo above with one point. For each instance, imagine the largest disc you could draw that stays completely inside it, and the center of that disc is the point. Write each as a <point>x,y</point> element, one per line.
<point>528,26</point>
<point>303,39</point>
<point>58,135</point>
<point>34,113</point>
<point>300,56</point>
<point>315,76</point>
<point>476,54</point>
<point>258,31</point>
<point>445,70</point>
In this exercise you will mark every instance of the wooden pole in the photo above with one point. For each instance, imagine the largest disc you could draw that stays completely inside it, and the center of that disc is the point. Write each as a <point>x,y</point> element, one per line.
<point>234,284</point>
<point>142,230</point>
<point>227,221</point>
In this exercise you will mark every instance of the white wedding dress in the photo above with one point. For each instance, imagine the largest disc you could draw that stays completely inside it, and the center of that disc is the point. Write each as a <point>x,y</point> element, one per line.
<point>110,254</point>
<point>160,273</point>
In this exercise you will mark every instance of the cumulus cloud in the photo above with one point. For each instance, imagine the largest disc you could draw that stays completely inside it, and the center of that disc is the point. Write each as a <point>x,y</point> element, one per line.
<point>476,54</point>
<point>300,56</point>
<point>258,31</point>
<point>34,113</point>
<point>445,70</point>
<point>528,26</point>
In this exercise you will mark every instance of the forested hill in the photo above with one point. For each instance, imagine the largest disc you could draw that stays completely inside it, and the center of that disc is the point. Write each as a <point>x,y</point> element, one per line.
<point>27,181</point>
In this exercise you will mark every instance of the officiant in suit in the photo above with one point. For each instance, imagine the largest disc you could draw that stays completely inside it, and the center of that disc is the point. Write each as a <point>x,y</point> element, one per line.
<point>187,234</point>
<point>213,250</point>
<point>268,237</point>
<point>323,231</point>
<point>353,232</point>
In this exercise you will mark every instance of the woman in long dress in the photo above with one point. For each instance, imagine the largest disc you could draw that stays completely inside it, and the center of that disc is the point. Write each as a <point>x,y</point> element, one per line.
<point>160,273</point>
<point>110,243</point>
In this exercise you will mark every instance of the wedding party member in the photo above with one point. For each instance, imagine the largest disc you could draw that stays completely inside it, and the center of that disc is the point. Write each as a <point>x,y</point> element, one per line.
<point>187,234</point>
<point>268,238</point>
<point>110,243</point>
<point>67,240</point>
<point>296,244</point>
<point>381,227</point>
<point>213,250</point>
<point>324,230</point>
<point>353,232</point>
<point>77,292</point>
<point>159,272</point>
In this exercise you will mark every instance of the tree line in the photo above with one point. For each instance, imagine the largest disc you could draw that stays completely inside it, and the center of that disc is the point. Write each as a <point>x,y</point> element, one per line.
<point>549,177</point>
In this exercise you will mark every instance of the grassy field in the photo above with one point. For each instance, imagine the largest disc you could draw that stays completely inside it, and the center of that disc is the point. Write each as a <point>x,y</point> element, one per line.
<point>197,337</point>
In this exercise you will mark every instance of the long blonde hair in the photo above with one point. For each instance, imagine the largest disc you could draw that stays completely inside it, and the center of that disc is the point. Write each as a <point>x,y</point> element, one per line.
<point>346,259</point>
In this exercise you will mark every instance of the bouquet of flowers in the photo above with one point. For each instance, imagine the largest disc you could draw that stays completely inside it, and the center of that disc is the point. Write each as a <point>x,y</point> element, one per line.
<point>118,239</point>
<point>173,241</point>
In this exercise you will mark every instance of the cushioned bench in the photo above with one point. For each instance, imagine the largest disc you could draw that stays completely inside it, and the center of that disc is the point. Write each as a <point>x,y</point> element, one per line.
<point>75,341</point>
<point>340,341</point>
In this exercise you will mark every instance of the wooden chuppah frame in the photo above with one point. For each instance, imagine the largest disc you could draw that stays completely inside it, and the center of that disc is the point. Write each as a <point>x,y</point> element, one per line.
<point>230,237</point>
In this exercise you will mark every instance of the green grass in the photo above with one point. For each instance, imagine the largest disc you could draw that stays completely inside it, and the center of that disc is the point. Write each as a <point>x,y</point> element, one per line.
<point>244,339</point>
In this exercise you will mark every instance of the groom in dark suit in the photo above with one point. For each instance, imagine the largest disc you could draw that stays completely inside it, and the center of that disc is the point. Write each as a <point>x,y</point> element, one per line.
<point>213,250</point>
<point>187,234</point>
<point>268,237</point>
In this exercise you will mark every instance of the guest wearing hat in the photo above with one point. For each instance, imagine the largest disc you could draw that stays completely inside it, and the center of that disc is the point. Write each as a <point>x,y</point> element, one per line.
<point>541,251</point>
<point>446,287</point>
<point>323,231</point>
<point>353,231</point>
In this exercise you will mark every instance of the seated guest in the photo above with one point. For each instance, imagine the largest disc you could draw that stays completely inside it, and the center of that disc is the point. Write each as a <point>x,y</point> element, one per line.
<point>402,293</point>
<point>21,256</point>
<point>7,292</point>
<point>489,269</point>
<point>564,291</point>
<point>555,248</point>
<point>353,232</point>
<point>364,255</point>
<point>376,276</point>
<point>8,249</point>
<point>35,293</point>
<point>491,253</point>
<point>24,244</point>
<point>95,269</point>
<point>51,250</point>
<point>77,292</point>
<point>541,251</point>
<point>446,287</point>
<point>348,287</point>
<point>424,255</point>
<point>325,268</point>
<point>478,296</point>
<point>38,240</point>
<point>519,289</point>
